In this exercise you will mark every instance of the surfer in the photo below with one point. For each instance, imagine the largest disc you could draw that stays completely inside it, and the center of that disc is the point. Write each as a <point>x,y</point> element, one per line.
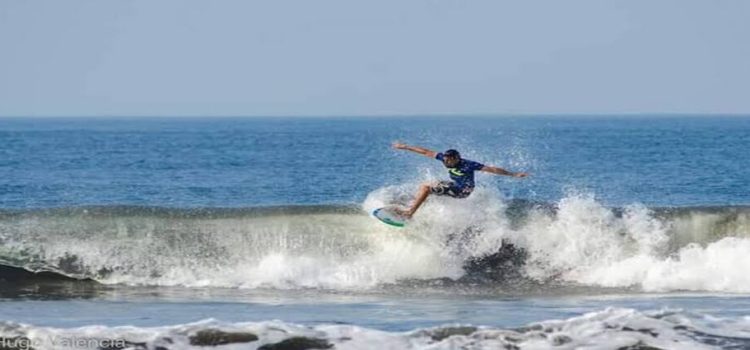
<point>461,172</point>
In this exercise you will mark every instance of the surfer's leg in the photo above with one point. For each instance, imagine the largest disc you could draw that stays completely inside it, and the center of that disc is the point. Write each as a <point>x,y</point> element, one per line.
<point>440,188</point>
<point>422,194</point>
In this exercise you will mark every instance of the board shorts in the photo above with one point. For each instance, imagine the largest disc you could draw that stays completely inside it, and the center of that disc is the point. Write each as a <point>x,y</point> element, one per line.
<point>449,188</point>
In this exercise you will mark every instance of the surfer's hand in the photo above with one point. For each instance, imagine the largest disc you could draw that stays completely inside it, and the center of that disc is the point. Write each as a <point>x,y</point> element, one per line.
<point>399,145</point>
<point>520,174</point>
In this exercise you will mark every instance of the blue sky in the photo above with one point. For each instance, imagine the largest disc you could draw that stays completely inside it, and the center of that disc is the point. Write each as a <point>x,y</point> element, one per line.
<point>373,58</point>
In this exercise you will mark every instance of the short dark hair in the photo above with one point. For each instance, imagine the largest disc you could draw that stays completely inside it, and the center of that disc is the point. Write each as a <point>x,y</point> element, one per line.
<point>452,153</point>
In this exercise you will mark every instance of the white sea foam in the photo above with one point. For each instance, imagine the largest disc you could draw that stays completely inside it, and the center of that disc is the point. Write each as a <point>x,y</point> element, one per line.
<point>586,243</point>
<point>610,328</point>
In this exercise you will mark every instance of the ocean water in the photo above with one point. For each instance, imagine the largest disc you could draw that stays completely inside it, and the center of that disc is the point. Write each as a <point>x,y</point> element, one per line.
<point>631,232</point>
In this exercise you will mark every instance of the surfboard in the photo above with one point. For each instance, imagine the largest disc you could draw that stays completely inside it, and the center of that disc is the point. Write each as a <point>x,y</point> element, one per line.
<point>388,216</point>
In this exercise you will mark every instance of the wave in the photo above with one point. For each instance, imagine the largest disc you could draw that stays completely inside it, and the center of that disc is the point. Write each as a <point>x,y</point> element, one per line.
<point>612,328</point>
<point>577,240</point>
<point>15,274</point>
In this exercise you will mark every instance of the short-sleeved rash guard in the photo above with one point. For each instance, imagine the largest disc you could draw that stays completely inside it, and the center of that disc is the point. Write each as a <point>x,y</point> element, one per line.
<point>463,173</point>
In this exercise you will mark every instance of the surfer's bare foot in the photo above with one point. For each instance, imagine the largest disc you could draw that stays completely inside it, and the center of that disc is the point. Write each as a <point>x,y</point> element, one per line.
<point>404,212</point>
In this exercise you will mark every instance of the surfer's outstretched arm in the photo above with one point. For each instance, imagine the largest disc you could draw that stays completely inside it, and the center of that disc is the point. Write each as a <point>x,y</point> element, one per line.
<point>420,150</point>
<point>501,171</point>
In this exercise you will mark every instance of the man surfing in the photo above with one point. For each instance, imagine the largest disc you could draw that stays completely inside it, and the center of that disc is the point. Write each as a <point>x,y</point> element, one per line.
<point>461,172</point>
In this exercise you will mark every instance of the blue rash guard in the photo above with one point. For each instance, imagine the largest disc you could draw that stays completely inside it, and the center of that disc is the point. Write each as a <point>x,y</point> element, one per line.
<point>462,175</point>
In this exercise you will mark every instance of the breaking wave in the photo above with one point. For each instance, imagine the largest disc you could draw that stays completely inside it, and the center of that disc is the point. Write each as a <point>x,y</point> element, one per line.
<point>577,240</point>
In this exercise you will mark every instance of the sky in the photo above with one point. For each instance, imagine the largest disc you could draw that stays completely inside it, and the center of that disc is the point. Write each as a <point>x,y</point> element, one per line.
<point>385,57</point>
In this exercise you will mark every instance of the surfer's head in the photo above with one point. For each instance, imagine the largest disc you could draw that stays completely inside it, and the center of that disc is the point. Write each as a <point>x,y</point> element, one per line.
<point>451,158</point>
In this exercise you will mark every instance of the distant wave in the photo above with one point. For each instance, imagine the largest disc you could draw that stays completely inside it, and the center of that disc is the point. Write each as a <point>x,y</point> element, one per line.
<point>576,240</point>
<point>612,328</point>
